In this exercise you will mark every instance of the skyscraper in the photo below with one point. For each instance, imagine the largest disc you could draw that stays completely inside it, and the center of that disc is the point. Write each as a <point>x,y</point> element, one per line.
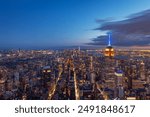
<point>109,50</point>
<point>46,74</point>
<point>119,82</point>
<point>142,71</point>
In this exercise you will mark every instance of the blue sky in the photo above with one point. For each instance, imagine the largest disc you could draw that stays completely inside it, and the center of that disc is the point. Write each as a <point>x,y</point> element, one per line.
<point>49,23</point>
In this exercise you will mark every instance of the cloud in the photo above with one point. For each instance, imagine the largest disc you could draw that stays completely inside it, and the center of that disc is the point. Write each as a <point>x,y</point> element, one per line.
<point>104,20</point>
<point>134,31</point>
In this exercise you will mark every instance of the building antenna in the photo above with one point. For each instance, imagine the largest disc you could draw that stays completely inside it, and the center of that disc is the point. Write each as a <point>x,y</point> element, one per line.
<point>109,41</point>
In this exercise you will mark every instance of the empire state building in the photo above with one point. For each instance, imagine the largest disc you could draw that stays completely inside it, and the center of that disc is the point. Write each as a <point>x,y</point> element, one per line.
<point>109,50</point>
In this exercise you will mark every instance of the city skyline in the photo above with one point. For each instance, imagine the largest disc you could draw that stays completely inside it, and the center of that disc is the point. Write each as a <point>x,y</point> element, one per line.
<point>44,24</point>
<point>75,74</point>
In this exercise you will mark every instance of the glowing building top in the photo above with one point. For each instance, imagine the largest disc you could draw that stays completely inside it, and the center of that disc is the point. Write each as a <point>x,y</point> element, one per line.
<point>46,72</point>
<point>109,50</point>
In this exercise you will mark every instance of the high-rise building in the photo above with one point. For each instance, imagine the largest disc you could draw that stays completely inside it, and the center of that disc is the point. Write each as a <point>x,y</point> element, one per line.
<point>119,77</point>
<point>46,74</point>
<point>3,80</point>
<point>119,84</point>
<point>109,50</point>
<point>142,71</point>
<point>129,77</point>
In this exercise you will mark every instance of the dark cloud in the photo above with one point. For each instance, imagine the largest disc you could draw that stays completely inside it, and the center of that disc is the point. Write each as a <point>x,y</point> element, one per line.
<point>104,20</point>
<point>134,31</point>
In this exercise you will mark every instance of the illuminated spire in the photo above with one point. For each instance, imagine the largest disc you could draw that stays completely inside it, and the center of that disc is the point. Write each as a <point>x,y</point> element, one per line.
<point>109,50</point>
<point>109,41</point>
<point>79,48</point>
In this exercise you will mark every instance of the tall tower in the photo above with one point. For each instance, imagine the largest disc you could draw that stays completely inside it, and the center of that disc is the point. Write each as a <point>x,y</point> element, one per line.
<point>109,50</point>
<point>119,84</point>
<point>142,70</point>
<point>92,73</point>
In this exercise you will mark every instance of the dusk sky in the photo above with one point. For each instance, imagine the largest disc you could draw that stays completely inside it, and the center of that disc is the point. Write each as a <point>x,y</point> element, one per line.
<point>50,23</point>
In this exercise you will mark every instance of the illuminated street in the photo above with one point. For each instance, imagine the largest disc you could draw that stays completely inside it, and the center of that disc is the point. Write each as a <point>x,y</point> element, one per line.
<point>53,88</point>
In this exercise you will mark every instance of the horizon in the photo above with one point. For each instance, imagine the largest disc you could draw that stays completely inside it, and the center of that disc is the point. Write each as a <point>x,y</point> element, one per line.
<point>84,47</point>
